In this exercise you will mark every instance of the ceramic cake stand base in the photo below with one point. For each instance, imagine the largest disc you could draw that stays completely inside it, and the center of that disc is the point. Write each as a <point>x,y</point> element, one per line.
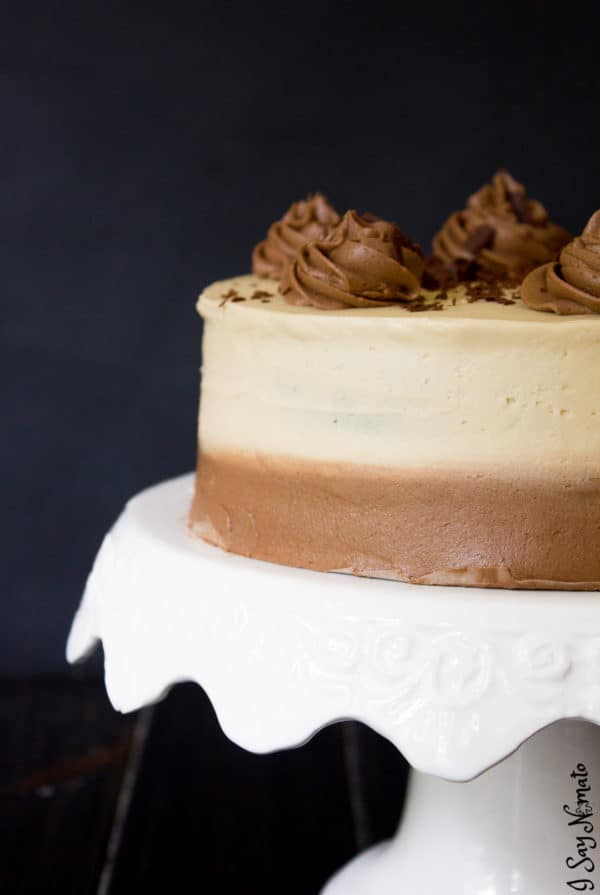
<point>456,678</point>
<point>504,832</point>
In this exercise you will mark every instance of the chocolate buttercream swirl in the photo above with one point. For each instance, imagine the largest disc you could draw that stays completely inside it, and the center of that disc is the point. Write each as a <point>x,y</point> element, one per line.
<point>500,233</point>
<point>571,285</point>
<point>311,218</point>
<point>363,263</point>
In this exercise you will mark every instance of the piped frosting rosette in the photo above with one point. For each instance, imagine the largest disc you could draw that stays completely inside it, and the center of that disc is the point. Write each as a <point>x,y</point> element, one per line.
<point>571,285</point>
<point>311,218</point>
<point>501,233</point>
<point>364,262</point>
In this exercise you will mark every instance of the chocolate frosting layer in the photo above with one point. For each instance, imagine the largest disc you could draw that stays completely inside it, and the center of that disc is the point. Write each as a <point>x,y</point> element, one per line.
<point>364,262</point>
<point>311,218</point>
<point>419,525</point>
<point>501,232</point>
<point>571,286</point>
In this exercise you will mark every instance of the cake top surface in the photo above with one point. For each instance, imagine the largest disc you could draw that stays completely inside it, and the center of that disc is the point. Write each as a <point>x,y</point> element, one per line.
<point>252,294</point>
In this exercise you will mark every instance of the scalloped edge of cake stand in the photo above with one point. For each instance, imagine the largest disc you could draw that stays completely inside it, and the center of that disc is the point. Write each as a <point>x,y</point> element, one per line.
<point>456,678</point>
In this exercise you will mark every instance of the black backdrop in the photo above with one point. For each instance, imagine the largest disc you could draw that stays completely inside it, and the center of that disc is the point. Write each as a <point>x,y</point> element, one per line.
<point>142,155</point>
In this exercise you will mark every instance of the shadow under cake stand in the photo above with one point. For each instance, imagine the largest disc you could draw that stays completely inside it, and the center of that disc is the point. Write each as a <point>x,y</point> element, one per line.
<point>456,678</point>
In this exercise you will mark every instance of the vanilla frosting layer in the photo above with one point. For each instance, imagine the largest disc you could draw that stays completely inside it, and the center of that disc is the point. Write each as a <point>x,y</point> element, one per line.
<point>479,384</point>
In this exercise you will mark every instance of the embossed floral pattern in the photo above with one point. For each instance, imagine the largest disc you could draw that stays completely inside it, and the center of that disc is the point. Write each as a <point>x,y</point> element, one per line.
<point>543,658</point>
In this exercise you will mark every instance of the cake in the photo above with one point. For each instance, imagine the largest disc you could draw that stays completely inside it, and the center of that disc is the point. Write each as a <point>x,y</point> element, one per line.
<point>366,409</point>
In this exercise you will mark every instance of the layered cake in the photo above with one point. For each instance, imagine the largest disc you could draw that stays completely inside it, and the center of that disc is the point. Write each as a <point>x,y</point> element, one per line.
<point>436,420</point>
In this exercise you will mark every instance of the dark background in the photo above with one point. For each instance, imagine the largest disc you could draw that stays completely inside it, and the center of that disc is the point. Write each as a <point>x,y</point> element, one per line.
<point>144,152</point>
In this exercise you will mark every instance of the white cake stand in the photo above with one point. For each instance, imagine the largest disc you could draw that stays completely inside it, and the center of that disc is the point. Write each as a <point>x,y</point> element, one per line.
<point>456,678</point>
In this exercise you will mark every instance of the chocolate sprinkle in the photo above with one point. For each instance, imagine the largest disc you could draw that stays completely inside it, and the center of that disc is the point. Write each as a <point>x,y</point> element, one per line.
<point>479,290</point>
<point>228,296</point>
<point>422,304</point>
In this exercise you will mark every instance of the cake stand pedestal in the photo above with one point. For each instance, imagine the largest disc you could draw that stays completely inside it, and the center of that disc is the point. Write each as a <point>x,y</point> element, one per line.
<point>456,678</point>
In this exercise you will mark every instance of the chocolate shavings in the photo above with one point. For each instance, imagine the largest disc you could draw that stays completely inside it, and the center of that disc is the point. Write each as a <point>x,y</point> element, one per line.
<point>481,291</point>
<point>422,304</point>
<point>228,296</point>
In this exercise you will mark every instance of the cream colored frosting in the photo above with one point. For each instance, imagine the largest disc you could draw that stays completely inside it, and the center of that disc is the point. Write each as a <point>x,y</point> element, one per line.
<point>477,385</point>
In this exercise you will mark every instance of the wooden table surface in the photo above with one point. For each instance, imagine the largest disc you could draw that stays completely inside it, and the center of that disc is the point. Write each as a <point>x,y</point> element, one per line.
<point>161,801</point>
